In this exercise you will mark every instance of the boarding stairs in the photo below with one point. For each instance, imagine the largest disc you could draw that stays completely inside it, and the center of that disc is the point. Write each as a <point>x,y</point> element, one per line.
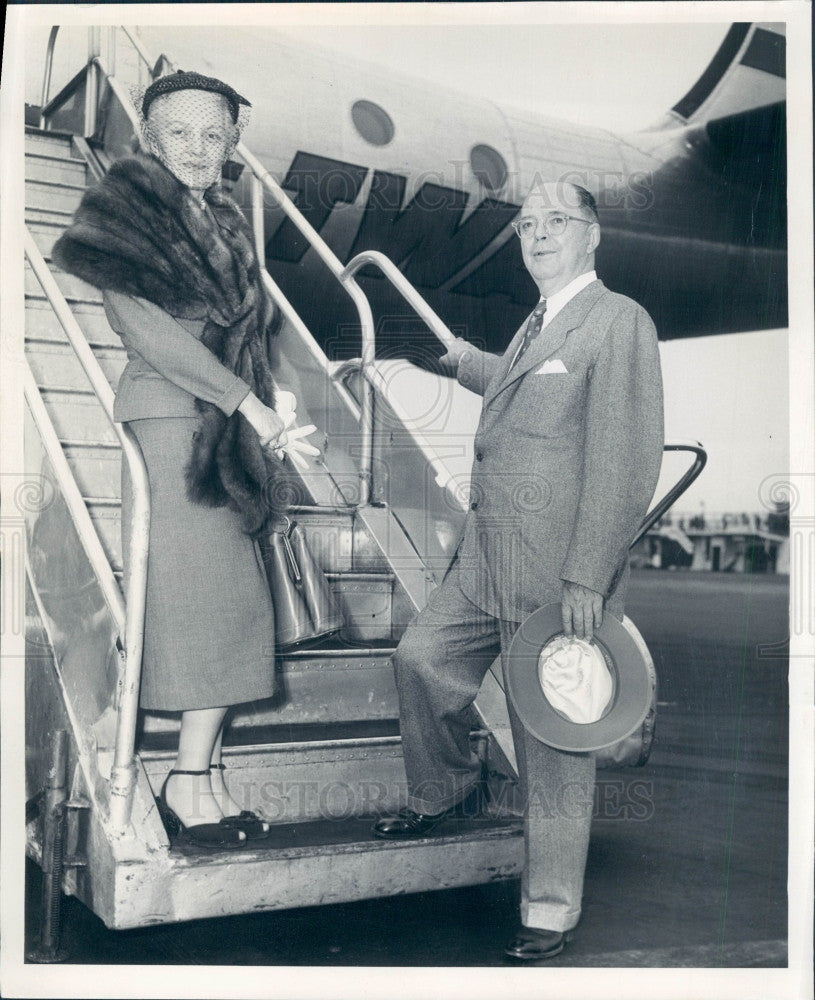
<point>321,760</point>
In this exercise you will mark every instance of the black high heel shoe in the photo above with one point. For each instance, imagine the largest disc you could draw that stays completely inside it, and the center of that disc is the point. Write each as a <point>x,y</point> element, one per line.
<point>212,835</point>
<point>252,825</point>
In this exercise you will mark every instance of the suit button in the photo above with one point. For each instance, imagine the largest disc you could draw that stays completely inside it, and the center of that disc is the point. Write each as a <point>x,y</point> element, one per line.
<point>474,505</point>
<point>479,456</point>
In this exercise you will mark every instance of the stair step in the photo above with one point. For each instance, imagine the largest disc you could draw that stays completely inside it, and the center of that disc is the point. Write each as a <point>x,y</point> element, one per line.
<point>47,167</point>
<point>106,515</point>
<point>78,416</point>
<point>339,540</point>
<point>161,744</point>
<point>53,143</point>
<point>41,322</point>
<point>54,216</point>
<point>332,860</point>
<point>90,297</point>
<point>50,196</point>
<point>97,469</point>
<point>297,780</point>
<point>46,232</point>
<point>72,288</point>
<point>317,686</point>
<point>55,363</point>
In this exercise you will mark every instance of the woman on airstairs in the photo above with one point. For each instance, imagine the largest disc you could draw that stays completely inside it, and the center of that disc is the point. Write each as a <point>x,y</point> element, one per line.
<point>182,286</point>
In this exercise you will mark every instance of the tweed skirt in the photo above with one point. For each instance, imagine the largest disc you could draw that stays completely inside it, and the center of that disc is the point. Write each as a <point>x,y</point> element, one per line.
<point>209,619</point>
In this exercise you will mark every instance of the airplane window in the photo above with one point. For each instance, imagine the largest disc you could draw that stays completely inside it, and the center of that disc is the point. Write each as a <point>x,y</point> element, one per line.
<point>373,123</point>
<point>488,166</point>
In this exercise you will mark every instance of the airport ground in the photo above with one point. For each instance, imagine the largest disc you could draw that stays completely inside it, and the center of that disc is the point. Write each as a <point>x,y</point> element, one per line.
<point>688,860</point>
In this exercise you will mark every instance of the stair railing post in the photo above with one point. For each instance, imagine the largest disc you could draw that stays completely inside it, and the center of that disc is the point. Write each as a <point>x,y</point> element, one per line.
<point>46,79</point>
<point>53,852</point>
<point>256,191</point>
<point>92,79</point>
<point>123,770</point>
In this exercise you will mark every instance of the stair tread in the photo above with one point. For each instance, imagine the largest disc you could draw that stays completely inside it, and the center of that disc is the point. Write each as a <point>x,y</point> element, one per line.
<point>96,345</point>
<point>331,650</point>
<point>50,211</point>
<point>306,732</point>
<point>47,133</point>
<point>35,154</point>
<point>32,297</point>
<point>354,833</point>
<point>107,445</point>
<point>56,184</point>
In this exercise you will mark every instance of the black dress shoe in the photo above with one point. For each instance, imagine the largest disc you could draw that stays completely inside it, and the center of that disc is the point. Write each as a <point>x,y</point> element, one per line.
<point>407,823</point>
<point>531,945</point>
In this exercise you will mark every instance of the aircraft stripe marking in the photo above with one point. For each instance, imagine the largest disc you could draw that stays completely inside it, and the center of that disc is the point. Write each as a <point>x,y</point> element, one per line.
<point>716,69</point>
<point>768,52</point>
<point>740,955</point>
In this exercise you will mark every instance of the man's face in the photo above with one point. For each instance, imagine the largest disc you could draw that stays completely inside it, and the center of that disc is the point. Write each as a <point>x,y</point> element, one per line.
<point>191,132</point>
<point>554,261</point>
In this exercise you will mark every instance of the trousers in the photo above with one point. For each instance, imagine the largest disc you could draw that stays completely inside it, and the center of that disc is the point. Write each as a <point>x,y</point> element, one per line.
<point>439,666</point>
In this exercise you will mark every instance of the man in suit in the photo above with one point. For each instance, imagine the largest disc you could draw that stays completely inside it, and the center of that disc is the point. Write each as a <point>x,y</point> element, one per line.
<point>567,455</point>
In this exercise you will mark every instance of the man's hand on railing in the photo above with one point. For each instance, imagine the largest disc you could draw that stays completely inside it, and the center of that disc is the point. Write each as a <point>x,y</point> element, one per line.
<point>455,350</point>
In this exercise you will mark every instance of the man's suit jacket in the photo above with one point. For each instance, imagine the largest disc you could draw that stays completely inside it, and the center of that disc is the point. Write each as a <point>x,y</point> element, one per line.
<point>566,463</point>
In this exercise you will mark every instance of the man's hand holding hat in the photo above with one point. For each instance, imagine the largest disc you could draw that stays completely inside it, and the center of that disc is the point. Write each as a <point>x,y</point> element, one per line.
<point>581,610</point>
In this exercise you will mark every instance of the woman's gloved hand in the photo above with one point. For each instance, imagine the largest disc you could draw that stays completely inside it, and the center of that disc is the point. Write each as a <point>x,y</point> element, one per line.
<point>272,428</point>
<point>291,442</point>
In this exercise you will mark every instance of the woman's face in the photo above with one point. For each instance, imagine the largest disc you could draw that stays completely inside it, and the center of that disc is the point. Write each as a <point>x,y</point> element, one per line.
<point>192,133</point>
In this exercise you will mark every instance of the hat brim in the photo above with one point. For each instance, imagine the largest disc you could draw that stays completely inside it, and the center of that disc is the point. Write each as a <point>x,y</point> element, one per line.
<point>633,684</point>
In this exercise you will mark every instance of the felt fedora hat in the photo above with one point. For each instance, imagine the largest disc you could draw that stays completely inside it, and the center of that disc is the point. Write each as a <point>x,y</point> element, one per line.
<point>615,675</point>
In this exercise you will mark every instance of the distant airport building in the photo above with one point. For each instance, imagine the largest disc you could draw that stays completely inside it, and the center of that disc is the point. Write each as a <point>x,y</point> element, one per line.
<point>729,543</point>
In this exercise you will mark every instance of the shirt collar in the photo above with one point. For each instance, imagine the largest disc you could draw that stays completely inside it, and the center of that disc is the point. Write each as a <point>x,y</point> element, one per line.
<point>557,301</point>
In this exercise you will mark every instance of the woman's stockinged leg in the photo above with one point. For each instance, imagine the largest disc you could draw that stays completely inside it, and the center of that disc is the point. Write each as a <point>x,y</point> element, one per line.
<point>228,805</point>
<point>227,802</point>
<point>190,795</point>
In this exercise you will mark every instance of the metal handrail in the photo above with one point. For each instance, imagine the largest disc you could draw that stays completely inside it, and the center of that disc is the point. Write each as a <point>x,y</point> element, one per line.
<point>374,258</point>
<point>123,768</point>
<point>670,498</point>
<point>46,76</point>
<point>358,297</point>
<point>135,41</point>
<point>120,92</point>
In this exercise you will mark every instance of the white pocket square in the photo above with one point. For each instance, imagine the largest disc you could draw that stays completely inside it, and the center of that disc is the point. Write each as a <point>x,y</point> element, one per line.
<point>555,367</point>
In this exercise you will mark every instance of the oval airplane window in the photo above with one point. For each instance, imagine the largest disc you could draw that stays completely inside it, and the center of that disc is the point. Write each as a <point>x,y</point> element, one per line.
<point>373,123</point>
<point>488,166</point>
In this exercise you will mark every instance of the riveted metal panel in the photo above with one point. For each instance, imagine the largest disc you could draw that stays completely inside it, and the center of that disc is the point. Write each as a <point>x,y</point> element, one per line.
<point>366,600</point>
<point>256,880</point>
<point>300,783</point>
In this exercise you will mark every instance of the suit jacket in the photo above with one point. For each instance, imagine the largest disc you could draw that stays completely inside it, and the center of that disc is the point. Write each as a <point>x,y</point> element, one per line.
<point>168,366</point>
<point>565,463</point>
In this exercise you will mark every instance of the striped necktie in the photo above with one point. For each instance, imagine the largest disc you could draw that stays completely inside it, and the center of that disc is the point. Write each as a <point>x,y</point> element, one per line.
<point>533,328</point>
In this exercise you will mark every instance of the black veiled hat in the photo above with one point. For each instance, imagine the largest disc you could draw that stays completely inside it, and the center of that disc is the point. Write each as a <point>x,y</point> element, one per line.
<point>180,80</point>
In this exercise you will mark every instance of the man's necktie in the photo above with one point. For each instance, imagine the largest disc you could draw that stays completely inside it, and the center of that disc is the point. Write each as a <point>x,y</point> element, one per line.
<point>533,328</point>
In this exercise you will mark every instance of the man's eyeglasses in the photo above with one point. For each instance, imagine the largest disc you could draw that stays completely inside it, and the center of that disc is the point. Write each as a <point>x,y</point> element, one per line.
<point>555,225</point>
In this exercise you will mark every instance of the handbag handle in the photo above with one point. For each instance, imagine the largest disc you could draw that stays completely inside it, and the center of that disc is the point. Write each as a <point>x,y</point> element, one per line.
<point>291,559</point>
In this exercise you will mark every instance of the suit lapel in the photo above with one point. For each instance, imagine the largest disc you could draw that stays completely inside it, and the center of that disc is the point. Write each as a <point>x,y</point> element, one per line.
<point>550,339</point>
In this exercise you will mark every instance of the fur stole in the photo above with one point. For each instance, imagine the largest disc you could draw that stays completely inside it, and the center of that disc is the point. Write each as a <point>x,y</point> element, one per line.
<point>141,233</point>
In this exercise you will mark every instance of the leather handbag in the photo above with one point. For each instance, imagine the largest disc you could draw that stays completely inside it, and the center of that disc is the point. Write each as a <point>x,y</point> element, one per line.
<point>304,606</point>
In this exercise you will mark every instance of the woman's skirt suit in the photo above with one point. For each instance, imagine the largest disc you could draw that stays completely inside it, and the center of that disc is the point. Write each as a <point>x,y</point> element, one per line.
<point>209,621</point>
